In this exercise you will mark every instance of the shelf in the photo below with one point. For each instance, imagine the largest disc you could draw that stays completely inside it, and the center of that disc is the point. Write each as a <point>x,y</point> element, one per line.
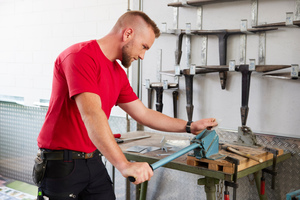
<point>282,75</point>
<point>197,3</point>
<point>278,24</point>
<point>222,68</point>
<point>220,31</point>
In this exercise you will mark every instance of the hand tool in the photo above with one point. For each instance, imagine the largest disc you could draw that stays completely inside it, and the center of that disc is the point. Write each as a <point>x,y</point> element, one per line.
<point>295,195</point>
<point>131,139</point>
<point>231,149</point>
<point>246,77</point>
<point>205,145</point>
<point>117,135</point>
<point>159,89</point>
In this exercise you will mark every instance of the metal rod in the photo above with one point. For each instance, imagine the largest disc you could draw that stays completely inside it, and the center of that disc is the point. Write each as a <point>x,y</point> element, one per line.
<point>174,156</point>
<point>143,193</point>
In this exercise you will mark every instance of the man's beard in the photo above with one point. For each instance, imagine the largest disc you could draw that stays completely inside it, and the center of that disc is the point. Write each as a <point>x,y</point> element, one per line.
<point>126,59</point>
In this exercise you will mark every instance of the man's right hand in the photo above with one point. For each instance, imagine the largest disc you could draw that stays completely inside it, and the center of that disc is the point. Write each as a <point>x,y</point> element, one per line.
<point>141,171</point>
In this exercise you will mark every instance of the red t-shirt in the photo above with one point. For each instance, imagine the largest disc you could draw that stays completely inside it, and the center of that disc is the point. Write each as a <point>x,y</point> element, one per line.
<point>81,68</point>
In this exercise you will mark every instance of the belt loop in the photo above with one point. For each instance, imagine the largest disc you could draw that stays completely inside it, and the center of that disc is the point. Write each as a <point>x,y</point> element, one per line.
<point>67,155</point>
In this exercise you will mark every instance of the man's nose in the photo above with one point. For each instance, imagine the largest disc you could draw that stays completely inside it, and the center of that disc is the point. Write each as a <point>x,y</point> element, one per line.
<point>141,56</point>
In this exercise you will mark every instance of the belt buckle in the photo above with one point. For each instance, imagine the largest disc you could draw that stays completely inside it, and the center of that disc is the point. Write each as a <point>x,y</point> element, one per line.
<point>88,155</point>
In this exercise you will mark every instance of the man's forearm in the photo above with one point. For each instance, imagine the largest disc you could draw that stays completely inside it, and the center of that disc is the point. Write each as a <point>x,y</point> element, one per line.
<point>159,121</point>
<point>102,137</point>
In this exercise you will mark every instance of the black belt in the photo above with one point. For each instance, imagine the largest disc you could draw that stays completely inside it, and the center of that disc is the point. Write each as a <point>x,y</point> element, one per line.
<point>67,154</point>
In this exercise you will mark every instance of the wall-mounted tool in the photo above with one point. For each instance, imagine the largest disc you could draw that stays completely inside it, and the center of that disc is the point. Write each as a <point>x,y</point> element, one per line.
<point>159,89</point>
<point>205,145</point>
<point>189,79</point>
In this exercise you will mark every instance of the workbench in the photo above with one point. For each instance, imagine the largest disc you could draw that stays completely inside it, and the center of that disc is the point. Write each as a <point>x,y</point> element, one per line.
<point>212,177</point>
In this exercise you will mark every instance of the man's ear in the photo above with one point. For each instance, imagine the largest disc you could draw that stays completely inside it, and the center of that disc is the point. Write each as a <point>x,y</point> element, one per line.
<point>128,34</point>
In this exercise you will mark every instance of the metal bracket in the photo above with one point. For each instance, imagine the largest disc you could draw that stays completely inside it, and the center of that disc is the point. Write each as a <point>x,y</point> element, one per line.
<point>297,10</point>
<point>254,8</point>
<point>232,65</point>
<point>164,28</point>
<point>203,52</point>
<point>295,71</point>
<point>251,64</point>
<point>175,16</point>
<point>188,44</point>
<point>159,65</point>
<point>289,19</point>
<point>262,48</point>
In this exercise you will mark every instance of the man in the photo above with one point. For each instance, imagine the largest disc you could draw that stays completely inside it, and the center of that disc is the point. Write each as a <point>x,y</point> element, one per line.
<point>87,83</point>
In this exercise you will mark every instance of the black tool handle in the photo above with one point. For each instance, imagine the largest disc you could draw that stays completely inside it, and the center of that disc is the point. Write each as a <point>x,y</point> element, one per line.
<point>132,179</point>
<point>119,141</point>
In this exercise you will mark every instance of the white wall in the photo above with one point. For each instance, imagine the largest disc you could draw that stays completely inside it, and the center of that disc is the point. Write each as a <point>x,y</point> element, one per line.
<point>273,104</point>
<point>34,32</point>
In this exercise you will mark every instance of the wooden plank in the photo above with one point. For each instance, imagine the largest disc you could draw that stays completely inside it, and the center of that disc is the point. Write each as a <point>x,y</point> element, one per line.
<point>226,167</point>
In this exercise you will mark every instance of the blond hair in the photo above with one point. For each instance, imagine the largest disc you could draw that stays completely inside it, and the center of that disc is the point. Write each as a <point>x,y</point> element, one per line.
<point>129,16</point>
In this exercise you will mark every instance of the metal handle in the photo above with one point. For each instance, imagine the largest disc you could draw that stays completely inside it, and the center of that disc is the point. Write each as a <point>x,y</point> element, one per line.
<point>132,179</point>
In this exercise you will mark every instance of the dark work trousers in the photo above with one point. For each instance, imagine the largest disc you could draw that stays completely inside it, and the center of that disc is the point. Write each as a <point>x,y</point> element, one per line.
<point>82,179</point>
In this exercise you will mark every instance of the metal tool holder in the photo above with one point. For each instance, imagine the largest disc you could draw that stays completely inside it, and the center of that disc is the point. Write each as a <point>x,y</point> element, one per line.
<point>159,88</point>
<point>222,37</point>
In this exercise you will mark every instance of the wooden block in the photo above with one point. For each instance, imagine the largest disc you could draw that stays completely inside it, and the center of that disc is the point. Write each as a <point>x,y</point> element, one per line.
<point>227,167</point>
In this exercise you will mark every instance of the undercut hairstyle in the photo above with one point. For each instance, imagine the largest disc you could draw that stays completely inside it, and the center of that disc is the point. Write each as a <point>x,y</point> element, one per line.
<point>142,15</point>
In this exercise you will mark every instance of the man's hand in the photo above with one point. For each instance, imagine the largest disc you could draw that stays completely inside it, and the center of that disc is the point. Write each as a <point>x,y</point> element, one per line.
<point>141,171</point>
<point>198,126</point>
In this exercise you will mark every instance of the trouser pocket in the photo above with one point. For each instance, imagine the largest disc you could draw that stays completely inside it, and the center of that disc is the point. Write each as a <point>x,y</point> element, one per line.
<point>38,171</point>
